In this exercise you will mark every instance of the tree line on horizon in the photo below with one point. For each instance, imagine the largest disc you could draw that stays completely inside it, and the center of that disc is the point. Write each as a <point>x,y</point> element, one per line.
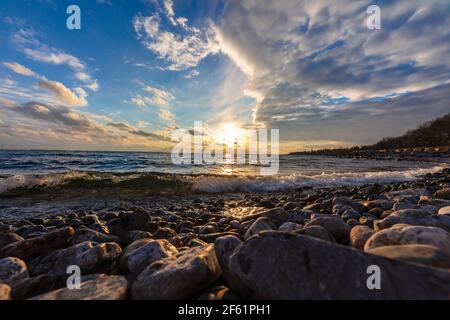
<point>433,133</point>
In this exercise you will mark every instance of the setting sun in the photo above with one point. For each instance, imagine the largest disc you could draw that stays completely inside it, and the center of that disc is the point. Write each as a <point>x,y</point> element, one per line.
<point>230,133</point>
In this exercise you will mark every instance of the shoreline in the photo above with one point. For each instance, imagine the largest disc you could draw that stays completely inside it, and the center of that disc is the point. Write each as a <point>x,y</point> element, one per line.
<point>203,239</point>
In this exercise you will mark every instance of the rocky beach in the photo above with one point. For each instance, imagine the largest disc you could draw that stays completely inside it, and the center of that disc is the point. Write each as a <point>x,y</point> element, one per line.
<point>303,243</point>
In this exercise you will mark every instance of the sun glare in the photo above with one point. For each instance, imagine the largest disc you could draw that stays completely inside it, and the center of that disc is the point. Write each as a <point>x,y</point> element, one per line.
<point>230,134</point>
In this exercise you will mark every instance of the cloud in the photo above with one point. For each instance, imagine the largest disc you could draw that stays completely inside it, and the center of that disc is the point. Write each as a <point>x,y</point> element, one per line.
<point>27,42</point>
<point>179,51</point>
<point>192,74</point>
<point>166,115</point>
<point>76,98</point>
<point>20,69</point>
<point>135,131</point>
<point>306,60</point>
<point>7,103</point>
<point>159,97</point>
<point>36,124</point>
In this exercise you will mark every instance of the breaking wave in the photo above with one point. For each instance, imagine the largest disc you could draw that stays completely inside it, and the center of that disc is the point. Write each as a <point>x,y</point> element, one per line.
<point>150,183</point>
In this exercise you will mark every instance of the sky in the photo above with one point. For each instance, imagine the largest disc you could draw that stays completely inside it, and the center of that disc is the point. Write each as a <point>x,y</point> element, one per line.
<point>138,69</point>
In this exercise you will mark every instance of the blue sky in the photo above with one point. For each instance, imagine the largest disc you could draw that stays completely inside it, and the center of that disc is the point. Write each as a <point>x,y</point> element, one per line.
<point>139,69</point>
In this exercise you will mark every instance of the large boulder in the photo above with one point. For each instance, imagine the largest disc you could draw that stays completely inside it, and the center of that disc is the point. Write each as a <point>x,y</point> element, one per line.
<point>12,269</point>
<point>178,276</point>
<point>89,256</point>
<point>416,253</point>
<point>29,248</point>
<point>333,224</point>
<point>96,287</point>
<point>151,252</point>
<point>406,234</point>
<point>359,235</point>
<point>277,265</point>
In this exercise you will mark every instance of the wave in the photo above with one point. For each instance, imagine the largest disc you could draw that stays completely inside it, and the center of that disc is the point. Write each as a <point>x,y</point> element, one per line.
<point>285,183</point>
<point>152,183</point>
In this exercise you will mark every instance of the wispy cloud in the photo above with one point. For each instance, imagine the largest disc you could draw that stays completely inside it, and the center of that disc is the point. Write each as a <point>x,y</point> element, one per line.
<point>179,51</point>
<point>20,69</point>
<point>26,41</point>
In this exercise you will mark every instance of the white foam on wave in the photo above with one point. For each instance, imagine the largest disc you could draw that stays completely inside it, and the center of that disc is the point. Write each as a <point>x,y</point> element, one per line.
<point>217,184</point>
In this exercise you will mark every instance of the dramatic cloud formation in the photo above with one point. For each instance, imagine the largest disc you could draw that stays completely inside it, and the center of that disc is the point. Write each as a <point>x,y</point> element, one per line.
<point>305,59</point>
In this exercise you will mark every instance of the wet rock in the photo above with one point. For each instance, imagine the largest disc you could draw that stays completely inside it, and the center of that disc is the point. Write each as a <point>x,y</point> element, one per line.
<point>277,216</point>
<point>123,259</point>
<point>349,202</point>
<point>151,252</point>
<point>34,230</point>
<point>90,219</point>
<point>318,232</point>
<point>444,210</point>
<point>138,220</point>
<point>5,291</point>
<point>208,228</point>
<point>380,203</point>
<point>404,205</point>
<point>334,225</point>
<point>407,195</point>
<point>290,205</point>
<point>235,224</point>
<point>8,238</point>
<point>262,223</point>
<point>98,287</point>
<point>196,243</point>
<point>134,235</point>
<point>89,256</point>
<point>30,287</point>
<point>443,193</point>
<point>164,233</point>
<point>413,217</point>
<point>12,269</point>
<point>367,220</point>
<point>277,265</point>
<point>211,237</point>
<point>178,276</point>
<point>266,204</point>
<point>100,227</point>
<point>30,248</point>
<point>5,228</point>
<point>415,253</point>
<point>406,234</point>
<point>290,226</point>
<point>86,234</point>
<point>359,235</point>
